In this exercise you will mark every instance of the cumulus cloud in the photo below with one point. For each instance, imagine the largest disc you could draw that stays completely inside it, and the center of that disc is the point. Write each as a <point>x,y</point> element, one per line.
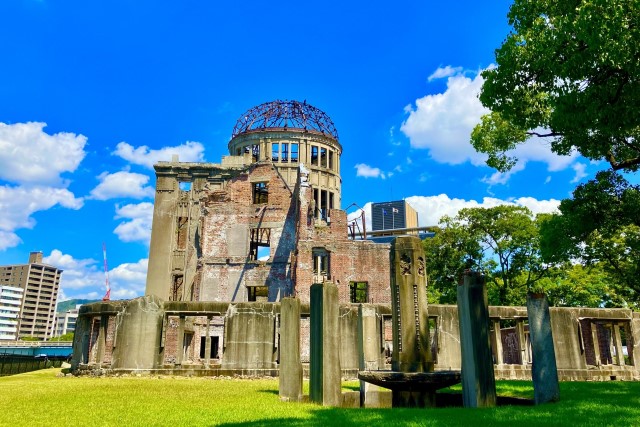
<point>137,224</point>
<point>190,151</point>
<point>17,204</point>
<point>367,171</point>
<point>84,278</point>
<point>442,124</point>
<point>442,72</point>
<point>30,155</point>
<point>579,169</point>
<point>122,184</point>
<point>431,208</point>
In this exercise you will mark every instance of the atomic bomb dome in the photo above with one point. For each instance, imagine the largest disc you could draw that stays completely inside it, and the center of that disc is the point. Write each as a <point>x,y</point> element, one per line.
<point>285,115</point>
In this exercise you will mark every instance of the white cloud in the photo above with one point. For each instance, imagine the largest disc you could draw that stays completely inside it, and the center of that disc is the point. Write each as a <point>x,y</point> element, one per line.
<point>17,204</point>
<point>579,168</point>
<point>367,171</point>
<point>431,208</point>
<point>30,155</point>
<point>137,228</point>
<point>442,123</point>
<point>122,184</point>
<point>190,151</point>
<point>84,278</point>
<point>444,72</point>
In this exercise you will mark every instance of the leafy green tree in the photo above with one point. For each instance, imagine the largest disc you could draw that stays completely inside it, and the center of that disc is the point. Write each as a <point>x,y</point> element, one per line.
<point>502,241</point>
<point>451,251</point>
<point>600,226</point>
<point>64,337</point>
<point>575,285</point>
<point>568,70</point>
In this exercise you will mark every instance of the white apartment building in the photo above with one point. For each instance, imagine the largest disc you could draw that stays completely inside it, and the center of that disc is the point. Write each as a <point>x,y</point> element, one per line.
<point>10,303</point>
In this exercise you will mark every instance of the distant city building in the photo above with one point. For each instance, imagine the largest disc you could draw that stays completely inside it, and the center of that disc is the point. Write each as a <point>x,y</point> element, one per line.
<point>40,283</point>
<point>10,303</point>
<point>393,216</point>
<point>66,321</point>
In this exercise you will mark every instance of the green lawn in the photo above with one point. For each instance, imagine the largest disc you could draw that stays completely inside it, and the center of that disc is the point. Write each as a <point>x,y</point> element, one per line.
<point>42,399</point>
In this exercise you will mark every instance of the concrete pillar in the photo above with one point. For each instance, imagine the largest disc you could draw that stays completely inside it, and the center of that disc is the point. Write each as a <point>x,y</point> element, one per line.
<point>325,376</point>
<point>370,351</point>
<point>290,379</point>
<point>180,343</point>
<point>411,344</point>
<point>596,343</point>
<point>544,371</point>
<point>497,339</point>
<point>617,340</point>
<point>102,339</point>
<point>207,343</point>
<point>138,334</point>
<point>478,380</point>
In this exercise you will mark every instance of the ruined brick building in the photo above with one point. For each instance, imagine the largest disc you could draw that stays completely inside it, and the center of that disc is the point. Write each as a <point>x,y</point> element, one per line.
<point>230,239</point>
<point>264,223</point>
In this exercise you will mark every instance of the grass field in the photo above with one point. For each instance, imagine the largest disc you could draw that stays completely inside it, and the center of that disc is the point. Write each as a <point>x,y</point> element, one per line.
<point>42,398</point>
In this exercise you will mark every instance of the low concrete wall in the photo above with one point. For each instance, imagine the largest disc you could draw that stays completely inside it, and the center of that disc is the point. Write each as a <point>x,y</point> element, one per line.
<point>140,338</point>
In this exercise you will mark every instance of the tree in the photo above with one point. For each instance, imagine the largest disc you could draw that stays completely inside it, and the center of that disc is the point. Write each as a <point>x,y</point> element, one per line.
<point>449,253</point>
<point>568,70</point>
<point>600,226</point>
<point>501,241</point>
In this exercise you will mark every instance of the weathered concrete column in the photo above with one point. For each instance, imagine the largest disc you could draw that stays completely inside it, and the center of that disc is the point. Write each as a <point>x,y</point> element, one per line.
<point>138,334</point>
<point>411,343</point>
<point>544,371</point>
<point>290,378</point>
<point>207,343</point>
<point>478,380</point>
<point>180,341</point>
<point>325,375</point>
<point>497,339</point>
<point>102,339</point>
<point>618,343</point>
<point>370,351</point>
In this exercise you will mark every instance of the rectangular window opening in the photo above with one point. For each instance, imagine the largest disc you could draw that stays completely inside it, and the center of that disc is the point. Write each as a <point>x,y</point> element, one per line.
<point>275,154</point>
<point>213,348</point>
<point>260,192</point>
<point>260,246</point>
<point>321,271</point>
<point>294,153</point>
<point>314,155</point>
<point>185,185</point>
<point>323,157</point>
<point>258,293</point>
<point>285,152</point>
<point>330,159</point>
<point>358,292</point>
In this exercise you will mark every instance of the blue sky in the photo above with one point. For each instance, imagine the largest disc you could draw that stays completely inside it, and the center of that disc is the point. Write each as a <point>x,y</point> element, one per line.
<point>92,93</point>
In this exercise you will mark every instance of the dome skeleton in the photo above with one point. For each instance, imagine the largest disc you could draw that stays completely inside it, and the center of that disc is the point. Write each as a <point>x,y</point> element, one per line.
<point>285,115</point>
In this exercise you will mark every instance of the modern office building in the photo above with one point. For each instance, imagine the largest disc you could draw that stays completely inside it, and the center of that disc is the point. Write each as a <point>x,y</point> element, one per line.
<point>40,283</point>
<point>393,215</point>
<point>10,303</point>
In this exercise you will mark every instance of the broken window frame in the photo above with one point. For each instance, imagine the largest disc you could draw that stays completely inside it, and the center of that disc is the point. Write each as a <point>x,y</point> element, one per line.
<point>260,192</point>
<point>257,293</point>
<point>321,261</point>
<point>259,238</point>
<point>284,152</point>
<point>323,157</point>
<point>314,155</point>
<point>359,292</point>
